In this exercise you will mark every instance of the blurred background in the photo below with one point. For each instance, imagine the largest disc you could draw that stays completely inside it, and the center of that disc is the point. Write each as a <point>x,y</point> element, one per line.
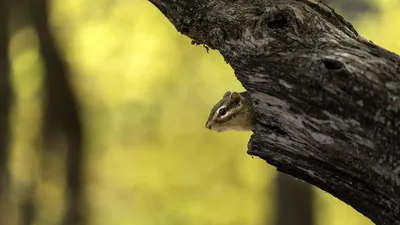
<point>103,106</point>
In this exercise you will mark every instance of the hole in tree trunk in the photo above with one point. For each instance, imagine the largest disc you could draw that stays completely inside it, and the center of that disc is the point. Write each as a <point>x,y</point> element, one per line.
<point>331,64</point>
<point>277,22</point>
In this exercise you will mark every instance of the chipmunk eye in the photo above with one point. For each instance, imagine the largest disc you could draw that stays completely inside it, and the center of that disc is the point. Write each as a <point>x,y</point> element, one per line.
<point>222,112</point>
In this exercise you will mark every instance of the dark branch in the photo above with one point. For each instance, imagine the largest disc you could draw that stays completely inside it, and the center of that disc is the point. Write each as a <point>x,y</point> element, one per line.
<point>333,96</point>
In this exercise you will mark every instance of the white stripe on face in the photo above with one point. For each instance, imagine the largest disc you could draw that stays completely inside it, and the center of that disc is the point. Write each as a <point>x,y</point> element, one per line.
<point>226,114</point>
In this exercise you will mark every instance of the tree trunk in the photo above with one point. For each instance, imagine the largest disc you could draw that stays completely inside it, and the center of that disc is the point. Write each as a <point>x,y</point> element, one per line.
<point>62,122</point>
<point>326,101</point>
<point>5,108</point>
<point>294,201</point>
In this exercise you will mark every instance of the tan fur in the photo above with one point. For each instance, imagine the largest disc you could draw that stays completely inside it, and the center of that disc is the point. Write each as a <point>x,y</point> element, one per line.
<point>239,113</point>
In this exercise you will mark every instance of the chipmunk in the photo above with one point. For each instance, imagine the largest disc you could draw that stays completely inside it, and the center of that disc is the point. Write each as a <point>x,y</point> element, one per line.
<point>233,112</point>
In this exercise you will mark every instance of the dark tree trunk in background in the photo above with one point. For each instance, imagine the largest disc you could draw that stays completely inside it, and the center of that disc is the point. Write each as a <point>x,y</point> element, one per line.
<point>352,8</point>
<point>27,207</point>
<point>326,101</point>
<point>61,116</point>
<point>5,106</point>
<point>20,20</point>
<point>294,201</point>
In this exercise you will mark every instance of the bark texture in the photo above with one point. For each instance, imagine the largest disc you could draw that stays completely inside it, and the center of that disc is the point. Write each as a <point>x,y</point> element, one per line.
<point>326,101</point>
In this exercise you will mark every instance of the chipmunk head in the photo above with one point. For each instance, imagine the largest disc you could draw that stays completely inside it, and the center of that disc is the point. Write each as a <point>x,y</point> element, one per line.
<point>232,112</point>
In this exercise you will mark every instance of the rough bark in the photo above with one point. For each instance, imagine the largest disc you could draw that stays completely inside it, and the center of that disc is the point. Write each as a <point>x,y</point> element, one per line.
<point>326,101</point>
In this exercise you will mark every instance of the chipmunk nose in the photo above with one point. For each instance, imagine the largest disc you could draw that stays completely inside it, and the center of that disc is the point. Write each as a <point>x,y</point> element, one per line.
<point>208,126</point>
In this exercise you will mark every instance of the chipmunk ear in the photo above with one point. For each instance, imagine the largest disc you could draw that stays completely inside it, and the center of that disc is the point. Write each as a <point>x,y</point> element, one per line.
<point>228,93</point>
<point>235,97</point>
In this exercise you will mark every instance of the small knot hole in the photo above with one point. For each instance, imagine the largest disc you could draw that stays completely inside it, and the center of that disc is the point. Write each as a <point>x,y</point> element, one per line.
<point>278,22</point>
<point>331,64</point>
